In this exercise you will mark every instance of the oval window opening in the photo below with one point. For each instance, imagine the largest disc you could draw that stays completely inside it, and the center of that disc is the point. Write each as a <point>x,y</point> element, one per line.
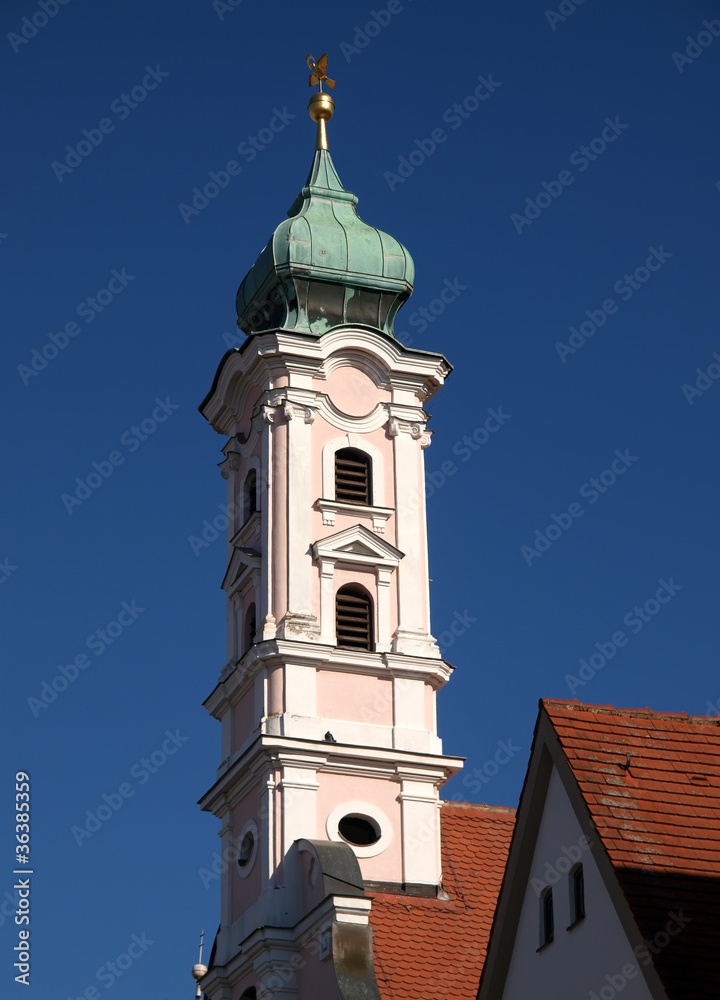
<point>358,830</point>
<point>246,850</point>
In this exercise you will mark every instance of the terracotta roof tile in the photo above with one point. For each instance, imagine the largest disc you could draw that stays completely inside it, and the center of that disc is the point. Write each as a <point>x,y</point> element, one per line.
<point>423,946</point>
<point>659,820</point>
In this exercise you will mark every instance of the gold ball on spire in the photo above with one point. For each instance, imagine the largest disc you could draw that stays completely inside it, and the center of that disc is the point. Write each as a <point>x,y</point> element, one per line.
<point>321,106</point>
<point>320,109</point>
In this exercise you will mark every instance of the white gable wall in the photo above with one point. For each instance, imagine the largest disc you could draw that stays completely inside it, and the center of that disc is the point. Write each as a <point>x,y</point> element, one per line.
<point>593,960</point>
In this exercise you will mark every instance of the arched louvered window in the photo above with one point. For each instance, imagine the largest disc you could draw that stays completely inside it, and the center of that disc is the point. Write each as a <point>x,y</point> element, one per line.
<point>353,470</point>
<point>249,495</point>
<point>354,618</point>
<point>250,626</point>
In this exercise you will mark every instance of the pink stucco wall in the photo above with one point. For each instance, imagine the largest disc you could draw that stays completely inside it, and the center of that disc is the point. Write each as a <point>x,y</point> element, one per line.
<point>337,788</point>
<point>245,890</point>
<point>352,391</point>
<point>243,718</point>
<point>354,698</point>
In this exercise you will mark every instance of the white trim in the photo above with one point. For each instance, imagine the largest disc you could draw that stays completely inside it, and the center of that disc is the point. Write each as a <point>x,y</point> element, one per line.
<point>375,369</point>
<point>361,808</point>
<point>331,508</point>
<point>360,444</point>
<point>376,418</point>
<point>356,545</point>
<point>382,612</point>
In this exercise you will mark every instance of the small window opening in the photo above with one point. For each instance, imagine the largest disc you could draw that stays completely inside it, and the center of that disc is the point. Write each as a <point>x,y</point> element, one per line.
<point>353,618</point>
<point>250,627</point>
<point>358,830</point>
<point>577,885</point>
<point>547,917</point>
<point>249,495</point>
<point>246,850</point>
<point>352,476</point>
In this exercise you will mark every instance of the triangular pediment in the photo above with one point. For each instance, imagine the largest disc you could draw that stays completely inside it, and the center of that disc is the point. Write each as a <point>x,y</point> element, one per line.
<point>242,562</point>
<point>357,544</point>
<point>357,548</point>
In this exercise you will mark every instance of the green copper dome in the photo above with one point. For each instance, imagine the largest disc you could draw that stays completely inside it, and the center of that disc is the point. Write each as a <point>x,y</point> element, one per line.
<point>323,266</point>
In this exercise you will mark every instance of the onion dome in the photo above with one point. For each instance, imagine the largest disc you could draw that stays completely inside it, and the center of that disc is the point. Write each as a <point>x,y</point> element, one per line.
<point>323,266</point>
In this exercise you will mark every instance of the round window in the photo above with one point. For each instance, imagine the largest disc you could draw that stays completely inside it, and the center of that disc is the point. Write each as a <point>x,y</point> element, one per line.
<point>246,850</point>
<point>359,830</point>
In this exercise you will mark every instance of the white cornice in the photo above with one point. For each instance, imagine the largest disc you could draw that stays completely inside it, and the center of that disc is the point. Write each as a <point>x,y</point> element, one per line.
<point>239,677</point>
<point>268,752</point>
<point>272,355</point>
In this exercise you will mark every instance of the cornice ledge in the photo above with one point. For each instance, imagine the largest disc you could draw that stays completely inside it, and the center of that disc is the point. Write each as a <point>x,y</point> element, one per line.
<point>418,667</point>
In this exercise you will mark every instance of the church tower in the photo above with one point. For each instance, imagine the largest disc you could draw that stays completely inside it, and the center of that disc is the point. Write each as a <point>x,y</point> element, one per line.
<point>331,764</point>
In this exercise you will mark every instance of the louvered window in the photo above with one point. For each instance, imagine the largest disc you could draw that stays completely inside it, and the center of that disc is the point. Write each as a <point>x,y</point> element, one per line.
<point>352,476</point>
<point>353,618</point>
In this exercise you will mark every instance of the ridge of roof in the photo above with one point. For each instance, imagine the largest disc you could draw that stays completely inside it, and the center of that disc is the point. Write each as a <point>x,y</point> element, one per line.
<point>479,806</point>
<point>577,706</point>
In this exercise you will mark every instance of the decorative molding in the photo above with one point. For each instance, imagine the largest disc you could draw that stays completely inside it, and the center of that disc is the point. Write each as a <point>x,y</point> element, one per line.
<point>356,544</point>
<point>239,675</point>
<point>291,410</point>
<point>247,531</point>
<point>415,642</point>
<point>362,361</point>
<point>298,626</point>
<point>233,454</point>
<point>378,515</point>
<point>416,375</point>
<point>417,431</point>
<point>265,754</point>
<point>243,567</point>
<point>345,422</point>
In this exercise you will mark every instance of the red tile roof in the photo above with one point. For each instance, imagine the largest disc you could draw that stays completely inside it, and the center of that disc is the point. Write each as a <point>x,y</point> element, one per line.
<point>428,947</point>
<point>659,819</point>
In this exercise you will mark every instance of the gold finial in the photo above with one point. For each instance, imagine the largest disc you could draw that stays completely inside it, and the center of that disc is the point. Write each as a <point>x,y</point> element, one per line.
<point>321,105</point>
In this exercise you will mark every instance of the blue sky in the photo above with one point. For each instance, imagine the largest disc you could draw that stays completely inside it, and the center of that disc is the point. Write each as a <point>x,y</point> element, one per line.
<point>461,127</point>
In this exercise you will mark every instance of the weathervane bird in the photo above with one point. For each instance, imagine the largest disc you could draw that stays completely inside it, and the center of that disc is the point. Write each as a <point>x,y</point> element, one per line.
<point>318,74</point>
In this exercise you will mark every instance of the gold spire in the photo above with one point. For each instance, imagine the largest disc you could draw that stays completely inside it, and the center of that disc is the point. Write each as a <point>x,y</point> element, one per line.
<point>321,105</point>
